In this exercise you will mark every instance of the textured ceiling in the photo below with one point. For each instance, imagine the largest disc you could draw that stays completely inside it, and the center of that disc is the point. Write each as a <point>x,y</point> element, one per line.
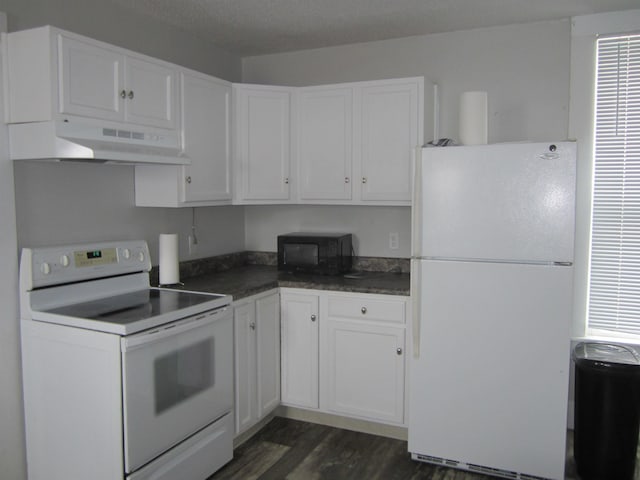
<point>256,27</point>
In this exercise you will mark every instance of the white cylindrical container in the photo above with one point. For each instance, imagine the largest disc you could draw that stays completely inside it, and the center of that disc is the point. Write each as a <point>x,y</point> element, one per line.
<point>168,264</point>
<point>473,118</point>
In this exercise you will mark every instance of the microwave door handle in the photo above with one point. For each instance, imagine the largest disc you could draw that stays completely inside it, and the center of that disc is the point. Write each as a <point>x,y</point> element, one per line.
<point>145,338</point>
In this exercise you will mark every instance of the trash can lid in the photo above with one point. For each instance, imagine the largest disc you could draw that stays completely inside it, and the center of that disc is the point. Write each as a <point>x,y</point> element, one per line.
<point>606,353</point>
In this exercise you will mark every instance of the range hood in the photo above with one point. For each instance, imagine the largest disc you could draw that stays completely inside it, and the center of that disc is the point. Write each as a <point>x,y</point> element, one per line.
<point>93,141</point>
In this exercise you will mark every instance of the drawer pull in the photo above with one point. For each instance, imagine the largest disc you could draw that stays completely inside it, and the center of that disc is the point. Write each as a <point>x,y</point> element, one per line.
<point>313,318</point>
<point>252,325</point>
<point>363,310</point>
<point>399,351</point>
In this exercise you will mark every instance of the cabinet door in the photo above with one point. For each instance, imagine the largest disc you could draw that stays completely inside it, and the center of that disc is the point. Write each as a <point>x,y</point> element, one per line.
<point>268,353</point>
<point>245,361</point>
<point>91,79</point>
<point>263,142</point>
<point>300,350</point>
<point>151,93</point>
<point>324,129</point>
<point>366,370</point>
<point>206,126</point>
<point>389,122</point>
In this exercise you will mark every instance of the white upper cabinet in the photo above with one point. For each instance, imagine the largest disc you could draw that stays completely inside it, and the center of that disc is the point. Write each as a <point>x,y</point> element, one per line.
<point>90,80</point>
<point>150,88</point>
<point>206,121</point>
<point>356,141</point>
<point>206,138</point>
<point>262,143</point>
<point>53,73</point>
<point>325,148</point>
<point>349,143</point>
<point>103,82</point>
<point>391,129</point>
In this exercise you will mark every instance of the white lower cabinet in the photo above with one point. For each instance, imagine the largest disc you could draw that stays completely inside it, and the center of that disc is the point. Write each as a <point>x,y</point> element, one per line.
<point>300,335</point>
<point>257,358</point>
<point>344,353</point>
<point>364,355</point>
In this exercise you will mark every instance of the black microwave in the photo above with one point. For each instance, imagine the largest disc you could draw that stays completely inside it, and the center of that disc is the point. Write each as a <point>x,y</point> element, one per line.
<point>321,253</point>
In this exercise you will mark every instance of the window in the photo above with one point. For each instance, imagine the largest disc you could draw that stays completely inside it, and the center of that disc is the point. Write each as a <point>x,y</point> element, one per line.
<point>614,282</point>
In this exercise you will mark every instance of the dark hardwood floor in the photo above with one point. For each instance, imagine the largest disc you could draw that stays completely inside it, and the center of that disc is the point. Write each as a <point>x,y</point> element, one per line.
<point>297,450</point>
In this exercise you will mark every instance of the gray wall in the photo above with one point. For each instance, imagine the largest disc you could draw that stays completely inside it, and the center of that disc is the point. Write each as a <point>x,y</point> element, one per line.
<point>58,203</point>
<point>370,226</point>
<point>12,464</point>
<point>524,68</point>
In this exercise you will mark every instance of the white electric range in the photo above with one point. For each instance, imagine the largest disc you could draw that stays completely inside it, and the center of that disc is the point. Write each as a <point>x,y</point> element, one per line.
<point>122,380</point>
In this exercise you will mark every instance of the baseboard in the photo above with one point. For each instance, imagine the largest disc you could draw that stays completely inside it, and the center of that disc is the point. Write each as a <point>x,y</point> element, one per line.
<point>357,425</point>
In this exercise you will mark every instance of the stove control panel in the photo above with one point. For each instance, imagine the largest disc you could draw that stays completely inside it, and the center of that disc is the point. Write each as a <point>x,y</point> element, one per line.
<point>41,267</point>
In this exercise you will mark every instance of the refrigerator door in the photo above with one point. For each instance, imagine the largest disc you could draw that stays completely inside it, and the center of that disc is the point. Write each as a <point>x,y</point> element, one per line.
<point>496,202</point>
<point>491,383</point>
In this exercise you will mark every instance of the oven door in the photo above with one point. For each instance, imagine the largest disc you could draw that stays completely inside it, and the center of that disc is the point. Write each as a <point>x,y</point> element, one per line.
<point>177,379</point>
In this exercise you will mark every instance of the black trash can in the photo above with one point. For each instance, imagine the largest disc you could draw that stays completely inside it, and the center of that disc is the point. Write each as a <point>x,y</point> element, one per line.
<point>607,410</point>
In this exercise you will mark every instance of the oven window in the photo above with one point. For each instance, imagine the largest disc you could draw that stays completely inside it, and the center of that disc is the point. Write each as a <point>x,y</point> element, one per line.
<point>301,254</point>
<point>182,374</point>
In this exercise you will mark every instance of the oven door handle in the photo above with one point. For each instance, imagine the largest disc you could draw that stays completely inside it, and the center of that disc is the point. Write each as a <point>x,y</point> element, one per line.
<point>171,329</point>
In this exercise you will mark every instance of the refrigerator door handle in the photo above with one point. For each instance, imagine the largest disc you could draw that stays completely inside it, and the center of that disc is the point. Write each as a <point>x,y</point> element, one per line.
<point>416,290</point>
<point>416,204</point>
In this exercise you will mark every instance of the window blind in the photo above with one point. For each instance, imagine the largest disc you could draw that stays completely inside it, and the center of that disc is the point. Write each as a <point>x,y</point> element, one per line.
<point>614,282</point>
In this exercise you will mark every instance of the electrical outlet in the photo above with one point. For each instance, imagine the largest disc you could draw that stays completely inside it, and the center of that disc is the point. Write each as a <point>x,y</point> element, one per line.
<point>394,241</point>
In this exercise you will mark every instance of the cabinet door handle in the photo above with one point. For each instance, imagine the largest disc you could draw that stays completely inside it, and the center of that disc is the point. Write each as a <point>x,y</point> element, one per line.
<point>399,351</point>
<point>364,179</point>
<point>286,180</point>
<point>363,310</point>
<point>130,95</point>
<point>188,179</point>
<point>252,325</point>
<point>313,318</point>
<point>347,179</point>
<point>123,94</point>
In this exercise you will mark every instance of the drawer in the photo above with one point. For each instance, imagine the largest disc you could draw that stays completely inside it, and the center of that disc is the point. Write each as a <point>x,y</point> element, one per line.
<point>365,308</point>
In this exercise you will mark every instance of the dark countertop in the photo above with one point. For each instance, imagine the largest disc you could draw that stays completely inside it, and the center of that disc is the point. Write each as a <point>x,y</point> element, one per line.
<point>244,281</point>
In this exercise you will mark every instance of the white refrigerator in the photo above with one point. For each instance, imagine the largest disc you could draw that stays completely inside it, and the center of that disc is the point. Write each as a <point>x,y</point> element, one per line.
<point>492,272</point>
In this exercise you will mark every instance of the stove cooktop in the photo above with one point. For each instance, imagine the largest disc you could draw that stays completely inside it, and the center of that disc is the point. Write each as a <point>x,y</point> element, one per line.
<point>134,311</point>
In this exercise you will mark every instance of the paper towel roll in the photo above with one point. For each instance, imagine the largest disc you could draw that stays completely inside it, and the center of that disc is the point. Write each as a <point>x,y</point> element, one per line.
<point>169,269</point>
<point>473,118</point>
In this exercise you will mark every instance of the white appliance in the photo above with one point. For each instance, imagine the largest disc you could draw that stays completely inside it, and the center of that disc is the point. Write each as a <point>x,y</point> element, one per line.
<point>493,230</point>
<point>122,380</point>
<point>95,141</point>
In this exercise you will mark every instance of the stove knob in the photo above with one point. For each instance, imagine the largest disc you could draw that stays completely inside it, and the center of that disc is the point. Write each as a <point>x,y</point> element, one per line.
<point>126,253</point>
<point>141,256</point>
<point>45,268</point>
<point>64,260</point>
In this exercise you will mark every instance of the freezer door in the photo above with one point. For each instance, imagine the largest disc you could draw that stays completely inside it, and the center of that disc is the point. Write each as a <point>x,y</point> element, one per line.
<point>490,385</point>
<point>500,202</point>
